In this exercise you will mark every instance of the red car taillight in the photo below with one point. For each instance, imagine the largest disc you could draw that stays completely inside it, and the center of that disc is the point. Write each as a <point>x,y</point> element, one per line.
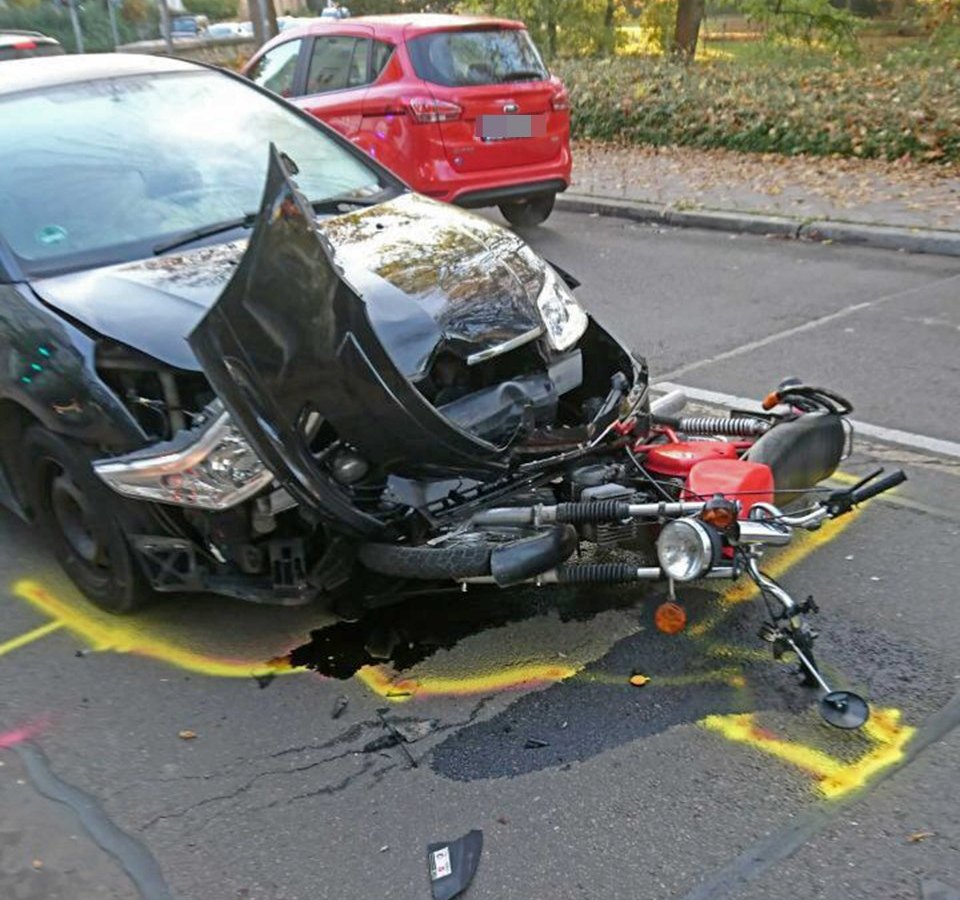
<point>429,109</point>
<point>560,100</point>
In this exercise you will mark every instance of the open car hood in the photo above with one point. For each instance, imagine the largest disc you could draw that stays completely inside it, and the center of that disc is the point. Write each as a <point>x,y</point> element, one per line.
<point>295,333</point>
<point>440,276</point>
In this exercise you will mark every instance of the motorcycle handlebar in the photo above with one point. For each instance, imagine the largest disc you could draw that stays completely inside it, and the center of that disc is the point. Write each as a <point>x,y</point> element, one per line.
<point>862,494</point>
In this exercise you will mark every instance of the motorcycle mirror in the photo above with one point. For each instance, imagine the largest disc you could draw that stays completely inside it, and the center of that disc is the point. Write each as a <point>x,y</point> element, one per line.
<point>844,709</point>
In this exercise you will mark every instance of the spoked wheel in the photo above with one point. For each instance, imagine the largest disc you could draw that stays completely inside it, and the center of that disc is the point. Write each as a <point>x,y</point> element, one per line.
<point>529,212</point>
<point>76,515</point>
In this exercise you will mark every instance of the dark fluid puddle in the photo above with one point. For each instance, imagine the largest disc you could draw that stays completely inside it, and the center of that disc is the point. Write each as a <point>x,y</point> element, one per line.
<point>406,633</point>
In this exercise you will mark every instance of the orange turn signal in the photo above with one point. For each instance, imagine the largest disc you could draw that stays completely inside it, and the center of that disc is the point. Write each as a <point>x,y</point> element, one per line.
<point>670,618</point>
<point>771,400</point>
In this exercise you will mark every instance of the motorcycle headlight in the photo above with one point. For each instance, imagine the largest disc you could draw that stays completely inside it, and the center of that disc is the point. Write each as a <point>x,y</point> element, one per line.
<point>563,318</point>
<point>211,468</point>
<point>687,549</point>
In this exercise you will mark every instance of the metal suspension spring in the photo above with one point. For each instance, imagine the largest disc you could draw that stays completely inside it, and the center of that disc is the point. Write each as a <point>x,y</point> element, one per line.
<point>733,427</point>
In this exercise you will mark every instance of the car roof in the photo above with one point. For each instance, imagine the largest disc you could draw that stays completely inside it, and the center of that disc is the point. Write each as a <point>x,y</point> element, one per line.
<point>51,71</point>
<point>401,25</point>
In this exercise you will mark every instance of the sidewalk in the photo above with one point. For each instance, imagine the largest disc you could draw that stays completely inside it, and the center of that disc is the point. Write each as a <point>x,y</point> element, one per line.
<point>904,196</point>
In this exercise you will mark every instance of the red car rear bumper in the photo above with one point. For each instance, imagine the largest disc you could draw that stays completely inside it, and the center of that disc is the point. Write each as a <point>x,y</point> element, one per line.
<point>440,180</point>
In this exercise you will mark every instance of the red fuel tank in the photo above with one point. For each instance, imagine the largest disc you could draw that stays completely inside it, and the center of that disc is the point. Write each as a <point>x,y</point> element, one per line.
<point>677,459</point>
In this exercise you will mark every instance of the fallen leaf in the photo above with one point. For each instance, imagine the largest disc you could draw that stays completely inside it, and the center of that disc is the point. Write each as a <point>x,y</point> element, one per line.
<point>918,836</point>
<point>186,734</point>
<point>639,680</point>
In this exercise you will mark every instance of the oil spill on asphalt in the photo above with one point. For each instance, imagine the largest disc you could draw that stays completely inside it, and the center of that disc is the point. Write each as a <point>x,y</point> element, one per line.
<point>405,634</point>
<point>692,679</point>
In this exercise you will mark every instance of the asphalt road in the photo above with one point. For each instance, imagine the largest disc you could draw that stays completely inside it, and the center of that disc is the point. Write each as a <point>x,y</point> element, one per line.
<point>715,779</point>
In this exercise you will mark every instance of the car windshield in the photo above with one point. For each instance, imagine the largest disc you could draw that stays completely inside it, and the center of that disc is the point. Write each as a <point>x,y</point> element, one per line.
<point>477,56</point>
<point>103,171</point>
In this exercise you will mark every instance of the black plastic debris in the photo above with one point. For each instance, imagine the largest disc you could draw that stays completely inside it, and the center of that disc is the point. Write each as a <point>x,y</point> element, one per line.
<point>339,707</point>
<point>535,744</point>
<point>384,742</point>
<point>399,738</point>
<point>452,864</point>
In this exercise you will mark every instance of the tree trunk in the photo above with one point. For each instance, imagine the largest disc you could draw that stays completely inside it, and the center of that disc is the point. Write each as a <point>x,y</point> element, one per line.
<point>609,29</point>
<point>689,17</point>
<point>272,28</point>
<point>255,11</point>
<point>552,36</point>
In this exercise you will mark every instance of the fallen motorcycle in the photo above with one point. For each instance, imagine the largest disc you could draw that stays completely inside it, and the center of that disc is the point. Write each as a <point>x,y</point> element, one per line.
<point>377,421</point>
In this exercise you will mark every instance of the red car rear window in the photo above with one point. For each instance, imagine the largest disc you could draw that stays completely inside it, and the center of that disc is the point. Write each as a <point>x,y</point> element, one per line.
<point>474,57</point>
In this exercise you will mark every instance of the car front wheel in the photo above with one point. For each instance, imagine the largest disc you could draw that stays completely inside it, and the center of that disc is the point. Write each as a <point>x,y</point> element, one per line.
<point>74,512</point>
<point>529,212</point>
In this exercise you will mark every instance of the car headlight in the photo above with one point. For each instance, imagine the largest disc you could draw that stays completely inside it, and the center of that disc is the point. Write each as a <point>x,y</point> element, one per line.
<point>212,467</point>
<point>687,549</point>
<point>563,318</point>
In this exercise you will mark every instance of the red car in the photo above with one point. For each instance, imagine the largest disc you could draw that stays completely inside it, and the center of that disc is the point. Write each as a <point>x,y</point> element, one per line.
<point>462,108</point>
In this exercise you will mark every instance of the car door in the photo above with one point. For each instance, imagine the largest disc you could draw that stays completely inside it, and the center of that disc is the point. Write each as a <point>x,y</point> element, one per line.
<point>338,73</point>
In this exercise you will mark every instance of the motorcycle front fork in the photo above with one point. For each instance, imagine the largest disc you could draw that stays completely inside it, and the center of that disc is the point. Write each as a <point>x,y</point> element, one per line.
<point>788,629</point>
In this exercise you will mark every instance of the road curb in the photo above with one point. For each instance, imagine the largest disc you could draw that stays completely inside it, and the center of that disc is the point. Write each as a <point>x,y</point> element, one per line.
<point>884,237</point>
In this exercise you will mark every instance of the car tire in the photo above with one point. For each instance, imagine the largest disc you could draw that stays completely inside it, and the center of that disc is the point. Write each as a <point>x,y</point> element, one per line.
<point>75,513</point>
<point>529,212</point>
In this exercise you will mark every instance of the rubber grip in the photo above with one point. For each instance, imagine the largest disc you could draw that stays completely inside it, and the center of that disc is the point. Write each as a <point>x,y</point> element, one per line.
<point>863,494</point>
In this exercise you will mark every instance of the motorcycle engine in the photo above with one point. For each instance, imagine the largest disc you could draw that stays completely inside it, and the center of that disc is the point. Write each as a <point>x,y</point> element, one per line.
<point>597,482</point>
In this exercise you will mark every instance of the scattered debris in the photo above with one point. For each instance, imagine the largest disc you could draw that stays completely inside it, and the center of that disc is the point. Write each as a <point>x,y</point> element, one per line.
<point>918,836</point>
<point>535,744</point>
<point>85,651</point>
<point>264,680</point>
<point>415,729</point>
<point>186,734</point>
<point>503,820</point>
<point>37,864</point>
<point>339,707</point>
<point>384,848</point>
<point>639,680</point>
<point>453,864</point>
<point>384,742</point>
<point>399,737</point>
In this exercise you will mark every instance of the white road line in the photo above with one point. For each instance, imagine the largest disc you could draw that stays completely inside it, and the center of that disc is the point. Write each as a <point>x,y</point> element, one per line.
<point>806,326</point>
<point>888,435</point>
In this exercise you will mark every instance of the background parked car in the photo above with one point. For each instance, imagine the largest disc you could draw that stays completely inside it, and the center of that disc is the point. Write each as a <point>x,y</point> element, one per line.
<point>462,108</point>
<point>22,44</point>
<point>221,30</point>
<point>189,26</point>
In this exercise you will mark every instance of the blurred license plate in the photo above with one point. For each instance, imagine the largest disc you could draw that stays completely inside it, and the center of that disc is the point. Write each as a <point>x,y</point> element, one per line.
<point>502,128</point>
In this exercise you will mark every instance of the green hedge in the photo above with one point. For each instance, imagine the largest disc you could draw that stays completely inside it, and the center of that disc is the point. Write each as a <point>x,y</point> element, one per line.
<point>889,109</point>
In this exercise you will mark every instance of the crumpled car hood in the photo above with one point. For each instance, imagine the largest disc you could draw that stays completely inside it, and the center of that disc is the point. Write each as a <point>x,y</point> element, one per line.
<point>477,284</point>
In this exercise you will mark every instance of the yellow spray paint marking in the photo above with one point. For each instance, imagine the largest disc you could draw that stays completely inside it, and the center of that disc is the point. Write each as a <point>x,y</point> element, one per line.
<point>105,632</point>
<point>385,683</point>
<point>29,637</point>
<point>834,777</point>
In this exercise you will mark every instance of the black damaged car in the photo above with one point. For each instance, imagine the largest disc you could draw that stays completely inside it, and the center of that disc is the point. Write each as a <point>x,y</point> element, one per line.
<point>179,412</point>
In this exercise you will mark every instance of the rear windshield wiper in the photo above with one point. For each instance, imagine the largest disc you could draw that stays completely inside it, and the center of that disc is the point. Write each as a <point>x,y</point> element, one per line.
<point>524,75</point>
<point>188,237</point>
